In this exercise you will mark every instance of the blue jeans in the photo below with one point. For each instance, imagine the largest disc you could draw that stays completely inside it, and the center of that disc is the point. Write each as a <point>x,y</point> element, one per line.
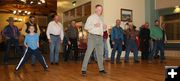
<point>116,47</point>
<point>105,48</point>
<point>158,45</point>
<point>131,45</point>
<point>54,49</point>
<point>33,59</point>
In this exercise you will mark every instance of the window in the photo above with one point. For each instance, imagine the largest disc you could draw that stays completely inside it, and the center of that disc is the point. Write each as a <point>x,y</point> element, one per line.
<point>172,26</point>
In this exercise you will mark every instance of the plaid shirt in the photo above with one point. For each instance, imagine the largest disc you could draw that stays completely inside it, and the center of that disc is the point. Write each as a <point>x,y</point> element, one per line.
<point>131,34</point>
<point>11,32</point>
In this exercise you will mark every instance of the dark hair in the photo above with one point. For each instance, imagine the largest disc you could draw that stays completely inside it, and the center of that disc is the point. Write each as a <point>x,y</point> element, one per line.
<point>31,26</point>
<point>32,16</point>
<point>98,5</point>
<point>54,15</point>
<point>156,20</point>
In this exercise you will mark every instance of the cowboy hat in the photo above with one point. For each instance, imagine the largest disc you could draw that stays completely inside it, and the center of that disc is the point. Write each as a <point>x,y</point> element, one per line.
<point>10,19</point>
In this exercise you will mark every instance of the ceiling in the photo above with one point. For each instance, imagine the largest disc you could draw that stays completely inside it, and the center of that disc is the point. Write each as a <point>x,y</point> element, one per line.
<point>64,5</point>
<point>8,6</point>
<point>162,4</point>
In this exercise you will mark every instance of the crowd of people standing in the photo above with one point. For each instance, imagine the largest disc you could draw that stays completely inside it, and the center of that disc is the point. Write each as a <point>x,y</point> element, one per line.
<point>149,40</point>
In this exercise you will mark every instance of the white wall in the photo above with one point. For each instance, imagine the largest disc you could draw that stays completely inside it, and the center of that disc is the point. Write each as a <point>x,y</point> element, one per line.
<point>112,12</point>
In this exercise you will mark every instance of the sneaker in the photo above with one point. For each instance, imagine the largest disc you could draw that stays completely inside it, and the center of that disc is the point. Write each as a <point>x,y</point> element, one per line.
<point>45,69</point>
<point>83,73</point>
<point>15,71</point>
<point>102,72</point>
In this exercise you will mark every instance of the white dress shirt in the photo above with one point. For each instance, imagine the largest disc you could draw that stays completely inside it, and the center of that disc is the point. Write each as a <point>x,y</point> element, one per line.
<point>55,29</point>
<point>90,24</point>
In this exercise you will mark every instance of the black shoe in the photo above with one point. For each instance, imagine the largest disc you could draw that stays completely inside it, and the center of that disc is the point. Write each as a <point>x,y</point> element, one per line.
<point>136,61</point>
<point>112,62</point>
<point>156,57</point>
<point>15,71</point>
<point>83,73</point>
<point>32,64</point>
<point>162,62</point>
<point>57,63</point>
<point>118,62</point>
<point>46,69</point>
<point>6,63</point>
<point>126,61</point>
<point>102,72</point>
<point>65,60</point>
<point>52,63</point>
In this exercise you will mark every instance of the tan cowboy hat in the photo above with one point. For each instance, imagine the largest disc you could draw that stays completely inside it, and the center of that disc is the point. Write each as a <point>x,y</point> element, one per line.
<point>10,19</point>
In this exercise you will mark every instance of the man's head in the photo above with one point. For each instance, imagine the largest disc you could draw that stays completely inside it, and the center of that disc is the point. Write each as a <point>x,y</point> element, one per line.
<point>31,29</point>
<point>157,23</point>
<point>118,22</point>
<point>56,18</point>
<point>32,19</point>
<point>131,25</point>
<point>146,25</point>
<point>10,20</point>
<point>73,23</point>
<point>98,9</point>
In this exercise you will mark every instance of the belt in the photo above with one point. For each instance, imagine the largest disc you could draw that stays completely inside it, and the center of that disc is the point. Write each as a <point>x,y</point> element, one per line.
<point>157,39</point>
<point>54,35</point>
<point>95,34</point>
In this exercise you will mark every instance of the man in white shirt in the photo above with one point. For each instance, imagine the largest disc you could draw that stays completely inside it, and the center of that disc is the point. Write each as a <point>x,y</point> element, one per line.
<point>55,36</point>
<point>95,26</point>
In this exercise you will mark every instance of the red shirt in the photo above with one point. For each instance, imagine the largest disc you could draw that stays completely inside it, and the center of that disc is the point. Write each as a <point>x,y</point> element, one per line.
<point>105,35</point>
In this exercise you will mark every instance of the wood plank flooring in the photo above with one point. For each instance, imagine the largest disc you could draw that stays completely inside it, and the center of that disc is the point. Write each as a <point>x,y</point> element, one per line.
<point>71,71</point>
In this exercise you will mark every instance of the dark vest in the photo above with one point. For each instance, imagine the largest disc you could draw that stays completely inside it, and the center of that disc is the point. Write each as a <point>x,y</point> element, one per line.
<point>28,24</point>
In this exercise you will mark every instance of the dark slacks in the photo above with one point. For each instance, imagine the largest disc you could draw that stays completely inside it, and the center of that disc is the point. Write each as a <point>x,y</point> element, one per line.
<point>158,45</point>
<point>74,47</point>
<point>10,42</point>
<point>29,52</point>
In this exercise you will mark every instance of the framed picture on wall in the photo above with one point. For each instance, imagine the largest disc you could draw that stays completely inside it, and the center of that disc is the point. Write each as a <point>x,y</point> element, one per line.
<point>126,15</point>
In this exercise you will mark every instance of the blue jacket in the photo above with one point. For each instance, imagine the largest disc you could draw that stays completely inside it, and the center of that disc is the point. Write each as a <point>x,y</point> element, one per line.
<point>117,33</point>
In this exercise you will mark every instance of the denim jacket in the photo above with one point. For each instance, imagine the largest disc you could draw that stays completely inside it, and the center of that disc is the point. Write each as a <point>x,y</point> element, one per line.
<point>117,33</point>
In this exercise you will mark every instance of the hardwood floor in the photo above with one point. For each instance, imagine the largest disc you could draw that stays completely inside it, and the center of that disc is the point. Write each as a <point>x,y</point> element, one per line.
<point>71,71</point>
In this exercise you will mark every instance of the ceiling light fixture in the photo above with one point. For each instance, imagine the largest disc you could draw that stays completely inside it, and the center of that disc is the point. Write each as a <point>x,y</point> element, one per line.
<point>177,9</point>
<point>21,12</point>
<point>32,2</point>
<point>74,3</point>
